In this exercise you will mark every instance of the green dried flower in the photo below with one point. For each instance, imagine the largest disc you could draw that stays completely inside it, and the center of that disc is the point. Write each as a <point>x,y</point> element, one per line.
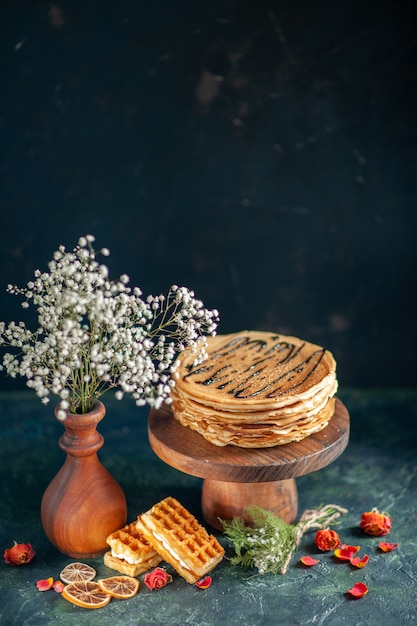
<point>269,543</point>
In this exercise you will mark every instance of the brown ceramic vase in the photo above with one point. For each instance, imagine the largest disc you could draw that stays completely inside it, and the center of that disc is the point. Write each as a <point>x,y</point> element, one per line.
<point>83,504</point>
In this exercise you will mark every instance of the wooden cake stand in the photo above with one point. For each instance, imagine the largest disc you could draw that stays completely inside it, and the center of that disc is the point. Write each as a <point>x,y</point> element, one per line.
<point>236,478</point>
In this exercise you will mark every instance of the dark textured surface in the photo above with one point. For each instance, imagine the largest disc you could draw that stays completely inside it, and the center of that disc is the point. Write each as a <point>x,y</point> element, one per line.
<point>262,153</point>
<point>377,469</point>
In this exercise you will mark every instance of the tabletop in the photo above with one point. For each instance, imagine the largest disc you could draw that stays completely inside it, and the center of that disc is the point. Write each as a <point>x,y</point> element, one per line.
<point>377,469</point>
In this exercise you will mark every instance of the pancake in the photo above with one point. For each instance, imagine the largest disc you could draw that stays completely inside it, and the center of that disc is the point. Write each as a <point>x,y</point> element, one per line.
<point>258,435</point>
<point>255,389</point>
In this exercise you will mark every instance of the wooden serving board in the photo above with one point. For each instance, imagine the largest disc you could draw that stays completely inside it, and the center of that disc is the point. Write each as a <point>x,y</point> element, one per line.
<point>189,452</point>
<point>238,478</point>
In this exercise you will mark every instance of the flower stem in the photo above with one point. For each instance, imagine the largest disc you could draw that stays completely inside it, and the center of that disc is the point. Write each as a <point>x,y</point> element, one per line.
<point>268,543</point>
<point>313,518</point>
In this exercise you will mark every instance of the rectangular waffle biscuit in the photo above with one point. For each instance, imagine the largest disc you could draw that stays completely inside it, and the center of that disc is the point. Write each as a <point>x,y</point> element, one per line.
<point>123,567</point>
<point>131,553</point>
<point>179,538</point>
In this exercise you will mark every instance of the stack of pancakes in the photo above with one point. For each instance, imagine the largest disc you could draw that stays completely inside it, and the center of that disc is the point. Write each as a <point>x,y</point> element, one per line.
<point>255,390</point>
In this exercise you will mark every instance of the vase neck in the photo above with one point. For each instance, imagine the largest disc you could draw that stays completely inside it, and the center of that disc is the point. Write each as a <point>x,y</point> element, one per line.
<point>81,438</point>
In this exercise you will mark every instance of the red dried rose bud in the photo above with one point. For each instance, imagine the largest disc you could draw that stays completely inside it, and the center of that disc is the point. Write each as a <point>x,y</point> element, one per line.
<point>19,554</point>
<point>375,523</point>
<point>327,539</point>
<point>157,579</point>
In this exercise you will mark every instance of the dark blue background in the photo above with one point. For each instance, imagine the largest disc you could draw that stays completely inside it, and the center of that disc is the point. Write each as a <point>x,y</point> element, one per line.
<point>261,153</point>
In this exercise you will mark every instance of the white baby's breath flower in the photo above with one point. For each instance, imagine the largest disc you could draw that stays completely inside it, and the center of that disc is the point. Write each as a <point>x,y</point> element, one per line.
<point>61,415</point>
<point>94,334</point>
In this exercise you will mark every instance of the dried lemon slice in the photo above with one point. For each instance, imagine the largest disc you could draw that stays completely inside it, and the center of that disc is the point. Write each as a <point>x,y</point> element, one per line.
<point>86,594</point>
<point>75,572</point>
<point>121,587</point>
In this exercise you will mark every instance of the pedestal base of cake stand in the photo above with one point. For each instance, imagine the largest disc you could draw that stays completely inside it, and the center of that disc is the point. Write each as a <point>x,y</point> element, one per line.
<point>221,500</point>
<point>238,478</point>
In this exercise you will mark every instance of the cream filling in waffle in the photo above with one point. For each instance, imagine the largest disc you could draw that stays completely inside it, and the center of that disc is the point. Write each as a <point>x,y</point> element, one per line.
<point>127,558</point>
<point>131,548</point>
<point>171,551</point>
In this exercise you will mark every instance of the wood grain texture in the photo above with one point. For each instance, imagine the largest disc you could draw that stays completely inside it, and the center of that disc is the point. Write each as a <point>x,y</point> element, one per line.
<point>225,500</point>
<point>83,504</point>
<point>189,452</point>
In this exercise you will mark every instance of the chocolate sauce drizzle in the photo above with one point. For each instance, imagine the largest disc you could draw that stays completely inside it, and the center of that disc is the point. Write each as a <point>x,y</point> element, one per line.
<point>255,379</point>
